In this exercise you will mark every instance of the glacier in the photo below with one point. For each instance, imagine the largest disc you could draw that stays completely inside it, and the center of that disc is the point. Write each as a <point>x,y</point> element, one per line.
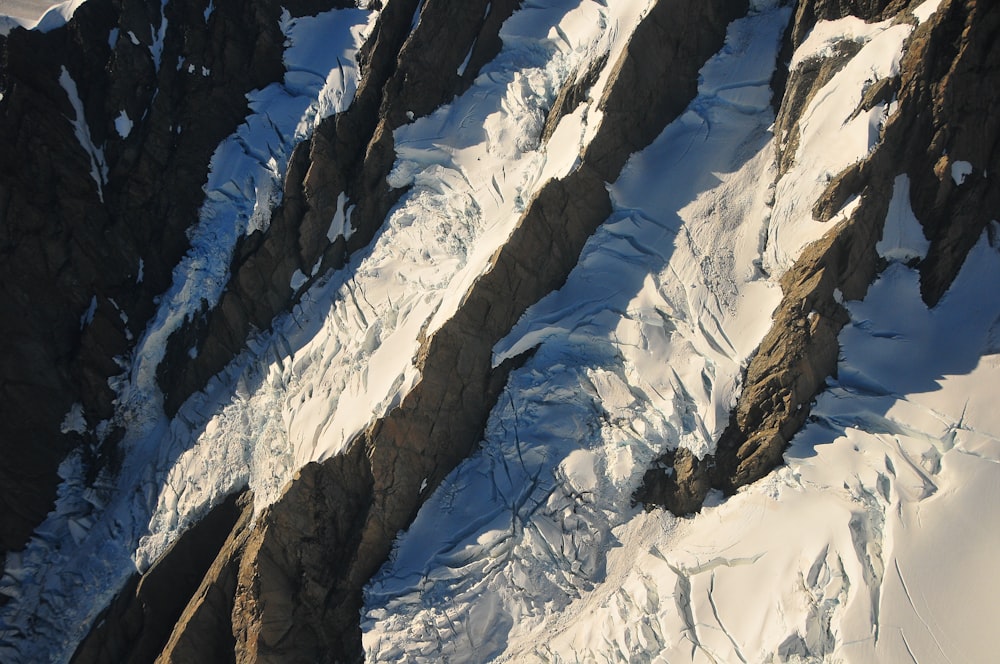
<point>872,543</point>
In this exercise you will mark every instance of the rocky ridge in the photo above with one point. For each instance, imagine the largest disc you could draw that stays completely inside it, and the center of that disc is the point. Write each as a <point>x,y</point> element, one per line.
<point>288,585</point>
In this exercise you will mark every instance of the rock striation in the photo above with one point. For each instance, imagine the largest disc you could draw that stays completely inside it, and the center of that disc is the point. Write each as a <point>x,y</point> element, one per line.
<point>135,628</point>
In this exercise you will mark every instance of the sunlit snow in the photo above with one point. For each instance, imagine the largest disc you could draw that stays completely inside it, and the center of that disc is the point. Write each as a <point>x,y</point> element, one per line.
<point>832,135</point>
<point>531,550</point>
<point>640,351</point>
<point>41,15</point>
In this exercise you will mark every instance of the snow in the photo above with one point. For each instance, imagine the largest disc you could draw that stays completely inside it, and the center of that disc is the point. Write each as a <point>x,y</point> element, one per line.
<point>531,550</point>
<point>159,33</point>
<point>40,15</point>
<point>640,351</point>
<point>903,236</point>
<point>74,421</point>
<point>88,315</point>
<point>870,545</point>
<point>298,280</point>
<point>98,166</point>
<point>345,354</point>
<point>822,152</point>
<point>84,550</point>
<point>244,180</point>
<point>341,222</point>
<point>960,170</point>
<point>123,125</point>
<point>924,11</point>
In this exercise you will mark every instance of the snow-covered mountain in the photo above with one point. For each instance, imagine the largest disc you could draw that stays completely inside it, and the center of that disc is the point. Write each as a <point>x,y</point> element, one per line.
<point>523,330</point>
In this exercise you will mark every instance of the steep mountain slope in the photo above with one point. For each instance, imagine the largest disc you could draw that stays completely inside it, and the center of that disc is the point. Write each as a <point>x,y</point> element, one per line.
<point>373,347</point>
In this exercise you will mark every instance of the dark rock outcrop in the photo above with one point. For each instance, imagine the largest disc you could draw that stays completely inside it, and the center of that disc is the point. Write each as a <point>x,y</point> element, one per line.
<point>136,626</point>
<point>93,218</point>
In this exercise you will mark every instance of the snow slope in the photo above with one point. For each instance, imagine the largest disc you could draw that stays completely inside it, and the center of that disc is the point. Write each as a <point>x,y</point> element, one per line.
<point>872,544</point>
<point>531,549</point>
<point>345,354</point>
<point>42,15</point>
<point>639,352</point>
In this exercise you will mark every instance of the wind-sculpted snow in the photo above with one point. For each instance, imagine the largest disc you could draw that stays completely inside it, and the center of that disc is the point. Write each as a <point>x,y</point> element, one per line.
<point>41,15</point>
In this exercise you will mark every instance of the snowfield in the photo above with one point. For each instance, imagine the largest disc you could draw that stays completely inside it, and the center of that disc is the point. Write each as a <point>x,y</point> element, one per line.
<point>41,15</point>
<point>873,543</point>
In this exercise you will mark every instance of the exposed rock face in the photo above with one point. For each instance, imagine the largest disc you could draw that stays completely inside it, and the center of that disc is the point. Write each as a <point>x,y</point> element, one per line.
<point>929,131</point>
<point>136,626</point>
<point>89,235</point>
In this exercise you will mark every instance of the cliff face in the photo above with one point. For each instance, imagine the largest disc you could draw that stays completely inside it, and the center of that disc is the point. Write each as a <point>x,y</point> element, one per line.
<point>110,123</point>
<point>115,118</point>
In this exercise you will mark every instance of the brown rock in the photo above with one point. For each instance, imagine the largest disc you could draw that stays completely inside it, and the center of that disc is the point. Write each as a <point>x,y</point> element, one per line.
<point>138,623</point>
